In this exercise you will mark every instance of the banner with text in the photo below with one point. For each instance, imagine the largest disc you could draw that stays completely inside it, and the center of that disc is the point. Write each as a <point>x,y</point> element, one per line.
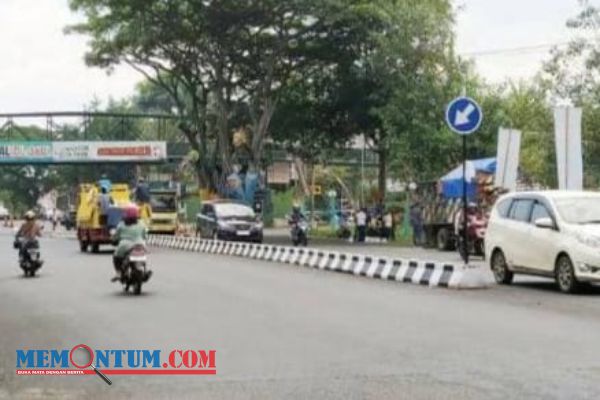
<point>25,152</point>
<point>509,147</point>
<point>569,158</point>
<point>82,152</point>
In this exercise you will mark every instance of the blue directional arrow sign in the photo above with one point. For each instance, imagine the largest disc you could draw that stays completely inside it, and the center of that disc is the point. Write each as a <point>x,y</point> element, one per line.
<point>464,115</point>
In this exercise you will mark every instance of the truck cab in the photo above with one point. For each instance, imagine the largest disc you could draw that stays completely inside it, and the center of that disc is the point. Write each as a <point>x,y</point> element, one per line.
<point>164,211</point>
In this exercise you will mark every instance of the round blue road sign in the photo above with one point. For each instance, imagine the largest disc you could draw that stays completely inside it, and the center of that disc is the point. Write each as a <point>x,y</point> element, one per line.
<point>463,115</point>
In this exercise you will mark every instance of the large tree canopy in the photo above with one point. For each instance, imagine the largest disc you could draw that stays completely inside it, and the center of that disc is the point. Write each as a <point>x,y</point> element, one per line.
<point>333,67</point>
<point>214,58</point>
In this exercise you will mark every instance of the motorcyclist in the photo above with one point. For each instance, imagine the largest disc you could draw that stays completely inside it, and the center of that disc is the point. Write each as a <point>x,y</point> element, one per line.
<point>295,221</point>
<point>28,232</point>
<point>129,232</point>
<point>472,213</point>
<point>296,215</point>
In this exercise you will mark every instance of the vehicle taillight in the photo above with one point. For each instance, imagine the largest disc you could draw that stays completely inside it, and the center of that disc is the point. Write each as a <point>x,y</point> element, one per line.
<point>138,251</point>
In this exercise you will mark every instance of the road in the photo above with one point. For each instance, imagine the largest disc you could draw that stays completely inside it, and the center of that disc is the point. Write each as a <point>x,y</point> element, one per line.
<point>290,332</point>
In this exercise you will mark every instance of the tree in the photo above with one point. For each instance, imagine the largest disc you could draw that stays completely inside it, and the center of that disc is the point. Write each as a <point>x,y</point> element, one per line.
<point>415,65</point>
<point>211,57</point>
<point>23,185</point>
<point>572,76</point>
<point>388,84</point>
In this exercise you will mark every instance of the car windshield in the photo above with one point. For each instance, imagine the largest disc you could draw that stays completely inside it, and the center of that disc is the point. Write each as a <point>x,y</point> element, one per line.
<point>234,210</point>
<point>163,203</point>
<point>579,210</point>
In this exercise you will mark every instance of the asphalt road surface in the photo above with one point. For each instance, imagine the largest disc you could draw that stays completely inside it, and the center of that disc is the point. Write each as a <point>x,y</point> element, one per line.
<point>290,332</point>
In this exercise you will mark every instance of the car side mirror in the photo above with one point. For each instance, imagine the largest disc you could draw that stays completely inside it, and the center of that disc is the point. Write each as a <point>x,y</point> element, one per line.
<point>545,223</point>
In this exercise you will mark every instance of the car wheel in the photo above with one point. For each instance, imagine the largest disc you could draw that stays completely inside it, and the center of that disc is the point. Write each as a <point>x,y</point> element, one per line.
<point>502,274</point>
<point>565,275</point>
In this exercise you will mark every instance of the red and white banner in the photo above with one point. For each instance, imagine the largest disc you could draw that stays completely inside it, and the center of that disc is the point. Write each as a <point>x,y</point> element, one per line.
<point>130,151</point>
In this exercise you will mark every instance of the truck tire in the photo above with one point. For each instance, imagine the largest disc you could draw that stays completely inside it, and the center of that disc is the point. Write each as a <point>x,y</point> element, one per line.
<point>444,239</point>
<point>83,246</point>
<point>95,248</point>
<point>429,238</point>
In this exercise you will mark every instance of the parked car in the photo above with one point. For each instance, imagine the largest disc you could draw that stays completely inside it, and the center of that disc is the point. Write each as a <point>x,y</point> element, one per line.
<point>554,234</point>
<point>228,220</point>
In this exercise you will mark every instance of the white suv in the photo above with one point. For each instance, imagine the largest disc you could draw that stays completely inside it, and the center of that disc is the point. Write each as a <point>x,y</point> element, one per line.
<point>554,234</point>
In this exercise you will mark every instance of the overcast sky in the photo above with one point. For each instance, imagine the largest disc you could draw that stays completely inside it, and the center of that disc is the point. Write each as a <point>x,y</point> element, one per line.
<point>43,69</point>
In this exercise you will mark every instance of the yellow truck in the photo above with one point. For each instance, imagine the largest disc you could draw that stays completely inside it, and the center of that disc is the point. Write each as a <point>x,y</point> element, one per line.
<point>91,231</point>
<point>164,211</point>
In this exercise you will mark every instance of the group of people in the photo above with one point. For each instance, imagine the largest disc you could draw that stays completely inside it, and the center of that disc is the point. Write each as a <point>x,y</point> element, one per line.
<point>141,196</point>
<point>383,222</point>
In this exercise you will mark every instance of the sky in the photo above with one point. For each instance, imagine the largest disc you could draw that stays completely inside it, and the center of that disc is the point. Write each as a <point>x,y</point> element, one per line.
<point>42,69</point>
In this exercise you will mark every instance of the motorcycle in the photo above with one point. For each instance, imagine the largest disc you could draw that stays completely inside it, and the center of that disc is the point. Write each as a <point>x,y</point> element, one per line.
<point>299,232</point>
<point>134,269</point>
<point>476,227</point>
<point>29,255</point>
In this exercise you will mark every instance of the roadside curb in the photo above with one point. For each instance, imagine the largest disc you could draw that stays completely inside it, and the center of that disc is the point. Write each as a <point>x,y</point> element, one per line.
<point>425,273</point>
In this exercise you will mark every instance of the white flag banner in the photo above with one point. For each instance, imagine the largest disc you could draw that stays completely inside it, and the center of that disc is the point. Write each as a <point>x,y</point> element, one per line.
<point>569,159</point>
<point>507,158</point>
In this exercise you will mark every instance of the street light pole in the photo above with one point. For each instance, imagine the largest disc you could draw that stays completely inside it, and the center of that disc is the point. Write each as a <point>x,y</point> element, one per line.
<point>362,173</point>
<point>464,199</point>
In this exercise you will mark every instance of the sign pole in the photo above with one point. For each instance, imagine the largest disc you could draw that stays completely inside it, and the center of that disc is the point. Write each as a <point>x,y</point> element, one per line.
<point>464,198</point>
<point>464,116</point>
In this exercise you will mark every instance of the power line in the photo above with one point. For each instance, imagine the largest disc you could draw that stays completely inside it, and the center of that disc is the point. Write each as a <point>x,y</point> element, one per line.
<point>514,50</point>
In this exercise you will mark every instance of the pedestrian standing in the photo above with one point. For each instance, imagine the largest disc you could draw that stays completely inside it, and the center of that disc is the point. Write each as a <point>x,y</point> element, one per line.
<point>388,225</point>
<point>361,225</point>
<point>54,220</point>
<point>416,221</point>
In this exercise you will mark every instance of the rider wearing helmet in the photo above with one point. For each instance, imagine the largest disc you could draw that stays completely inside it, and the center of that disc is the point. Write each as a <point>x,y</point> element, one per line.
<point>28,232</point>
<point>129,232</point>
<point>297,215</point>
<point>30,229</point>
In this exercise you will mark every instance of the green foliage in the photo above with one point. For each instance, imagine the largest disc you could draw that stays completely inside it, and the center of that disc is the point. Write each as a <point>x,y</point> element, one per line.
<point>571,76</point>
<point>282,203</point>
<point>222,63</point>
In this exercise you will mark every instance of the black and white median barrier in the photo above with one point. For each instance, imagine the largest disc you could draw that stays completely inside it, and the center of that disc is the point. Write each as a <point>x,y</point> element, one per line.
<point>432,274</point>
